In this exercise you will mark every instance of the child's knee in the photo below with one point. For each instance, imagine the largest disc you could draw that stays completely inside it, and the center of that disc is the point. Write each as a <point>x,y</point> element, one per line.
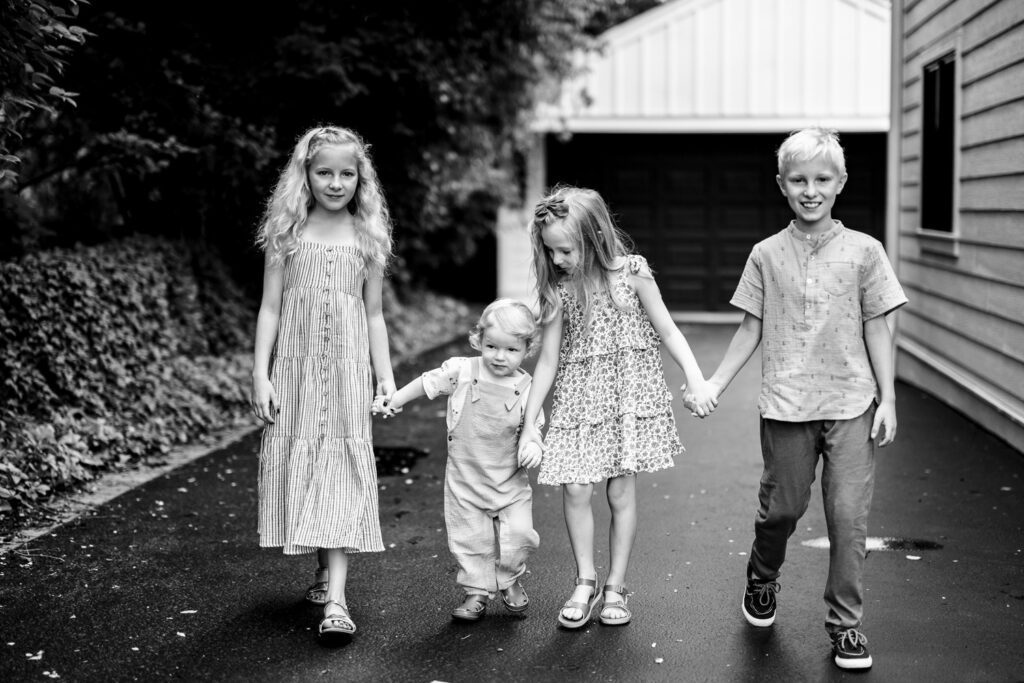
<point>578,494</point>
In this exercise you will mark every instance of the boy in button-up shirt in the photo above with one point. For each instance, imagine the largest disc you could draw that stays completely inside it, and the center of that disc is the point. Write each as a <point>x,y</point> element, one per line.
<point>816,294</point>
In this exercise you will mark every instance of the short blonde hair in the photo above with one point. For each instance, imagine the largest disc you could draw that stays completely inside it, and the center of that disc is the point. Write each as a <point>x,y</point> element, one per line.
<point>811,143</point>
<point>511,317</point>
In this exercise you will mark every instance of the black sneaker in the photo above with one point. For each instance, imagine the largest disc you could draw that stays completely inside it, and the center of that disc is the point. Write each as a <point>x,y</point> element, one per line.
<point>850,648</point>
<point>759,601</point>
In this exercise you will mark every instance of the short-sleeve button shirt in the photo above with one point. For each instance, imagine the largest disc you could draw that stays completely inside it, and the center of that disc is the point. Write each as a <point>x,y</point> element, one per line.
<point>813,294</point>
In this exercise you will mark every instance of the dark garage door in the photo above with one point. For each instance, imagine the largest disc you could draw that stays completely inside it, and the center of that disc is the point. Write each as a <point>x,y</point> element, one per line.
<point>695,204</point>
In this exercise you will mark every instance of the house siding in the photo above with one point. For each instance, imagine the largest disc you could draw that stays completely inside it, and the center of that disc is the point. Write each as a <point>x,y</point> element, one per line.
<point>962,336</point>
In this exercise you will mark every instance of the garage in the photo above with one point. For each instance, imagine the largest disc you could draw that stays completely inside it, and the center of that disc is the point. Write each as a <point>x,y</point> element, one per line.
<point>676,119</point>
<point>695,204</point>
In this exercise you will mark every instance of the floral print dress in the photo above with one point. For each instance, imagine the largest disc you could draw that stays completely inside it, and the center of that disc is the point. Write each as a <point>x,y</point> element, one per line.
<point>611,411</point>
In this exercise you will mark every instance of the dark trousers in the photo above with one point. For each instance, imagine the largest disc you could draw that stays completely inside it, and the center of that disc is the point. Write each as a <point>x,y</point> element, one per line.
<point>790,451</point>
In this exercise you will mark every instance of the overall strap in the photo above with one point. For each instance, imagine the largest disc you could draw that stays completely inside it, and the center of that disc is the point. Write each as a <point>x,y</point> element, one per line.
<point>474,376</point>
<point>517,392</point>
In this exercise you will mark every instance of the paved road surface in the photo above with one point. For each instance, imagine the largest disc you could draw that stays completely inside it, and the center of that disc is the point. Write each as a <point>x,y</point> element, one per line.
<point>166,581</point>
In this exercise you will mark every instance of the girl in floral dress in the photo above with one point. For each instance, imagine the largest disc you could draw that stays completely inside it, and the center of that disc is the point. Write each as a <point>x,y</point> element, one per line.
<point>611,414</point>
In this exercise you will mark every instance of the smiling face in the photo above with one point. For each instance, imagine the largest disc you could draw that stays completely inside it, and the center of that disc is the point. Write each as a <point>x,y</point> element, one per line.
<point>333,176</point>
<point>502,352</point>
<point>561,248</point>
<point>811,188</point>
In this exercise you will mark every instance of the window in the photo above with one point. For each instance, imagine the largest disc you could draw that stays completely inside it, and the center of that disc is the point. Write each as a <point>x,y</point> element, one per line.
<point>938,144</point>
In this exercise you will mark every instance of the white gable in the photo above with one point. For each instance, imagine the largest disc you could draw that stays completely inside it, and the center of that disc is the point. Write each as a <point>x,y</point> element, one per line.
<point>734,66</point>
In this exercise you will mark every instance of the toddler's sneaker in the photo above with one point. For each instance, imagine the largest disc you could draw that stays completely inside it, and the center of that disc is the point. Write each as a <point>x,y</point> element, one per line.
<point>759,601</point>
<point>850,648</point>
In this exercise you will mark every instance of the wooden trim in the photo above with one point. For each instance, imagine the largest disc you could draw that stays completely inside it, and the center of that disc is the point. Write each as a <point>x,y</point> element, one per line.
<point>711,124</point>
<point>971,241</point>
<point>931,293</point>
<point>965,273</point>
<point>1001,402</point>
<point>958,332</point>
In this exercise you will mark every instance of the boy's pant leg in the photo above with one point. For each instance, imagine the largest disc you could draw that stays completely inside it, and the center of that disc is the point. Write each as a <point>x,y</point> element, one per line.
<point>847,484</point>
<point>471,542</point>
<point>790,452</point>
<point>516,540</point>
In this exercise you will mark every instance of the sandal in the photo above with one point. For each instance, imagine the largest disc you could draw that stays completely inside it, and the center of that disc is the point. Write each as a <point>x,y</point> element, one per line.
<point>317,593</point>
<point>472,608</point>
<point>586,607</point>
<point>508,595</point>
<point>337,624</point>
<point>616,604</point>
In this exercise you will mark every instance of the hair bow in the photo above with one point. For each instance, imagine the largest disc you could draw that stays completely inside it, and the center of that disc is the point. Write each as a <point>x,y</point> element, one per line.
<point>549,209</point>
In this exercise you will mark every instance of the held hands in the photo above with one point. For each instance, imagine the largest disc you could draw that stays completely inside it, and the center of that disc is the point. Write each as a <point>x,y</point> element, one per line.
<point>531,447</point>
<point>264,400</point>
<point>884,423</point>
<point>382,401</point>
<point>382,406</point>
<point>701,399</point>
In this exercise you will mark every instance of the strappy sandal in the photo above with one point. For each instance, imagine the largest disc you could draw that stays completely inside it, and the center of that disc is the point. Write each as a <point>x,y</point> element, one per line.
<point>472,608</point>
<point>317,593</point>
<point>337,624</point>
<point>586,607</point>
<point>616,604</point>
<point>511,606</point>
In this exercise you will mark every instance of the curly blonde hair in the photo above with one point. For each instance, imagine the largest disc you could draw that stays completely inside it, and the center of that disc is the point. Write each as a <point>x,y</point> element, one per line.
<point>511,317</point>
<point>288,207</point>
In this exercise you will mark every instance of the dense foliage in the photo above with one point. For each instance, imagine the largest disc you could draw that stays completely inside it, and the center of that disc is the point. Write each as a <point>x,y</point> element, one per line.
<point>112,353</point>
<point>37,38</point>
<point>185,116</point>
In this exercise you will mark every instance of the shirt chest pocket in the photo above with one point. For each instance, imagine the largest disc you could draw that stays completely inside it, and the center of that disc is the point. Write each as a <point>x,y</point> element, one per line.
<point>841,279</point>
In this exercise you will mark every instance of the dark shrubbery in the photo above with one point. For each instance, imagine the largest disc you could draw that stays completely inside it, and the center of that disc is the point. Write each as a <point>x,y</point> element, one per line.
<point>113,353</point>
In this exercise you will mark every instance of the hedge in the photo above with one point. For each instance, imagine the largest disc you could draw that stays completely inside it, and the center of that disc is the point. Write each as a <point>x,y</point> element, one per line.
<point>113,353</point>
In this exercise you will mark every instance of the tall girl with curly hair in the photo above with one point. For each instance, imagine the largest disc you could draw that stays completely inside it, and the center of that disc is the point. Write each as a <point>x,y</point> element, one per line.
<point>611,413</point>
<point>320,341</point>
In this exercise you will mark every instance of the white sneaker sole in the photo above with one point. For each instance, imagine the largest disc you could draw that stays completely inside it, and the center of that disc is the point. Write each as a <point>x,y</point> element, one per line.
<point>754,621</point>
<point>859,663</point>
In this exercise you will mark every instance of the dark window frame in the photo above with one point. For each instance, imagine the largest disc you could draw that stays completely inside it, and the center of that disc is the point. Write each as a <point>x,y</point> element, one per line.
<point>939,122</point>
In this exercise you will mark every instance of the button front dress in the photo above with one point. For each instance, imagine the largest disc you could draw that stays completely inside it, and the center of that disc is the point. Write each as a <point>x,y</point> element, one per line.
<point>611,413</point>
<point>317,475</point>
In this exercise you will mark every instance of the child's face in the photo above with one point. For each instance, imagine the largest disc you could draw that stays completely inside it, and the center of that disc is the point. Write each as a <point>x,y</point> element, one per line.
<point>561,248</point>
<point>811,188</point>
<point>502,352</point>
<point>334,176</point>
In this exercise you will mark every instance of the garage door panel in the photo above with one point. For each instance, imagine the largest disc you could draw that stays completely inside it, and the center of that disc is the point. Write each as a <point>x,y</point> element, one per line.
<point>684,182</point>
<point>696,204</point>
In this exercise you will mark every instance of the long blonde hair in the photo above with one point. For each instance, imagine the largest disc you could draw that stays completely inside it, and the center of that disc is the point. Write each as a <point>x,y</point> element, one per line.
<point>288,206</point>
<point>585,217</point>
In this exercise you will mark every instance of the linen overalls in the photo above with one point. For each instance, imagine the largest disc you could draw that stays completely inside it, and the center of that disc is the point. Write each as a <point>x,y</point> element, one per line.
<point>487,495</point>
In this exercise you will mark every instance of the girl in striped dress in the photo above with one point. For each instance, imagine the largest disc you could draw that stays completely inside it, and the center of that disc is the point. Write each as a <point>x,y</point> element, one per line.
<point>320,334</point>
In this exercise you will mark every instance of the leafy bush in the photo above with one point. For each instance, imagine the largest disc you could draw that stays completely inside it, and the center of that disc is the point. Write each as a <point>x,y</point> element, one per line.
<point>113,353</point>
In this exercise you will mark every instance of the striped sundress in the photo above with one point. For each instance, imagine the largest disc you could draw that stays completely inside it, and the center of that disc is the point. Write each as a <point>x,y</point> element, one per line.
<point>317,477</point>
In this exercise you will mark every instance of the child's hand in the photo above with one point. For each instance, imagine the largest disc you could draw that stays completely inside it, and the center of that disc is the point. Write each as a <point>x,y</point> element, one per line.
<point>382,405</point>
<point>531,446</point>
<point>387,389</point>
<point>702,399</point>
<point>264,400</point>
<point>530,454</point>
<point>884,423</point>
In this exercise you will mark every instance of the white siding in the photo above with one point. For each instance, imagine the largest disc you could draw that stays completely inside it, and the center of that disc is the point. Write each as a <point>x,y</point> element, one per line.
<point>962,336</point>
<point>734,65</point>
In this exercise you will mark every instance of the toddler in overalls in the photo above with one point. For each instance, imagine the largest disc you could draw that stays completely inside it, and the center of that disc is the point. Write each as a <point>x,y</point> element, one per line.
<point>487,494</point>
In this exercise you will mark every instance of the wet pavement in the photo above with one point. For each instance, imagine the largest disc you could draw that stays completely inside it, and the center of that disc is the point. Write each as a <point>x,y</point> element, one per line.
<point>166,582</point>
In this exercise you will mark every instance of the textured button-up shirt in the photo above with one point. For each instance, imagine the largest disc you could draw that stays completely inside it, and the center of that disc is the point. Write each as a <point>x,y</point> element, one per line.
<point>813,294</point>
